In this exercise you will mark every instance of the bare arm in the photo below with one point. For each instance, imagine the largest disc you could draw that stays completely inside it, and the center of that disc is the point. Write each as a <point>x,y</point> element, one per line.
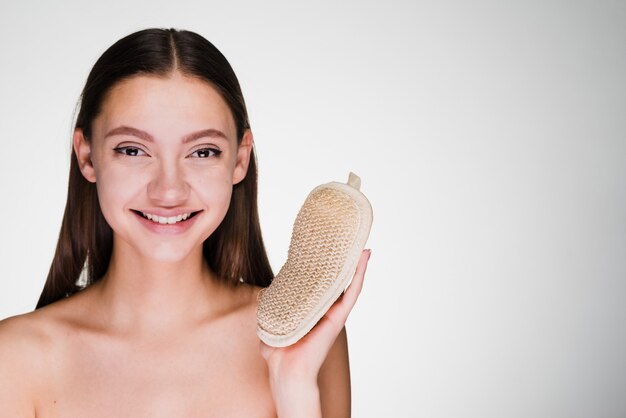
<point>334,380</point>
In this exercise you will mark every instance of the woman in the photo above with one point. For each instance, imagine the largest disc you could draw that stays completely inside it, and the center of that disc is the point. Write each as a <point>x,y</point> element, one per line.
<point>161,219</point>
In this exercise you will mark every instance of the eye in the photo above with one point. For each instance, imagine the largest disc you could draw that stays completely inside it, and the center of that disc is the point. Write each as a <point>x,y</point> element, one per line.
<point>130,151</point>
<point>205,153</point>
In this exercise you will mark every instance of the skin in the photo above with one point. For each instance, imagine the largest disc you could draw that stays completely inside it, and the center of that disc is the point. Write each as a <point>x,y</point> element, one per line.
<point>159,335</point>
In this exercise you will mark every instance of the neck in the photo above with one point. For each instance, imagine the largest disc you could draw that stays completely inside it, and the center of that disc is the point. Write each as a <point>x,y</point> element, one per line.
<point>142,294</point>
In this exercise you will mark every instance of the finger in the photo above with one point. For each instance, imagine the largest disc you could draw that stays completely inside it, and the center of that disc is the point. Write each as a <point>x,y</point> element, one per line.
<point>356,285</point>
<point>339,311</point>
<point>266,350</point>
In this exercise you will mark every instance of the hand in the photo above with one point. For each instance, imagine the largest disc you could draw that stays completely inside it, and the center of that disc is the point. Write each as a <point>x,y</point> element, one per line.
<point>294,369</point>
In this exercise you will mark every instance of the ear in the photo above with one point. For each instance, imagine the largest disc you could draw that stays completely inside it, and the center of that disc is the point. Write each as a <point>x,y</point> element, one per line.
<point>82,149</point>
<point>243,156</point>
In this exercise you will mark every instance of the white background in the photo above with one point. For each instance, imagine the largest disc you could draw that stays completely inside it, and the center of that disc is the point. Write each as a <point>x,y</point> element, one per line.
<point>490,137</point>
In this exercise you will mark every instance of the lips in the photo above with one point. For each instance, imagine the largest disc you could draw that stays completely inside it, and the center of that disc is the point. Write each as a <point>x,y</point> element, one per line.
<point>167,220</point>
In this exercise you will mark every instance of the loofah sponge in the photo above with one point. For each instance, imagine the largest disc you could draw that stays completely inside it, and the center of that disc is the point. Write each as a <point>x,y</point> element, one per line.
<point>328,236</point>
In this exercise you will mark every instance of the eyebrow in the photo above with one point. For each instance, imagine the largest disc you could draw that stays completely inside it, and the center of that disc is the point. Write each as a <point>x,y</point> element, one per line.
<point>129,130</point>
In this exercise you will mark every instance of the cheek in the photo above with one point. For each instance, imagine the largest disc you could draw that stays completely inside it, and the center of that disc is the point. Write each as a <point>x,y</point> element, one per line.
<point>115,191</point>
<point>215,190</point>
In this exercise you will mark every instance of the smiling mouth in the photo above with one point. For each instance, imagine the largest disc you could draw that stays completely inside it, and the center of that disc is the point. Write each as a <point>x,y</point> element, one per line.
<point>167,220</point>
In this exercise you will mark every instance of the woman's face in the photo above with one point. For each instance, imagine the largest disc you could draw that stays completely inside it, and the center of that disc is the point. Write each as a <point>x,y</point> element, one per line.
<point>164,157</point>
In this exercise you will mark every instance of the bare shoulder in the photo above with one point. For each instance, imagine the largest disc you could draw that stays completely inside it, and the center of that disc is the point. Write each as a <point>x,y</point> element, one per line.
<point>30,345</point>
<point>245,296</point>
<point>23,337</point>
<point>34,333</point>
<point>27,341</point>
<point>24,344</point>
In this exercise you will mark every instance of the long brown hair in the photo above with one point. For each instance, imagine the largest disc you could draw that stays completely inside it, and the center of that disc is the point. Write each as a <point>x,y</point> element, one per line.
<point>235,251</point>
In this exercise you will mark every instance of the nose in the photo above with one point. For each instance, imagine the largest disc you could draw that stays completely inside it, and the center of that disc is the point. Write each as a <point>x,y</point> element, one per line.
<point>168,186</point>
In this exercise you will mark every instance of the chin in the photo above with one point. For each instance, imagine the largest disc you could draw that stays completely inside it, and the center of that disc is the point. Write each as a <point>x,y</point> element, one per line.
<point>170,254</point>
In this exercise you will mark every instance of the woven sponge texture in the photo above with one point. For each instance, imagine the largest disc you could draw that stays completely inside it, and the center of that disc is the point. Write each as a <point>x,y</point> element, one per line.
<point>324,232</point>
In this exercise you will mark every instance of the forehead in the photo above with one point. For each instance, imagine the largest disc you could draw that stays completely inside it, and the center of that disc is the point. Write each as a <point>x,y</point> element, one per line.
<point>172,105</point>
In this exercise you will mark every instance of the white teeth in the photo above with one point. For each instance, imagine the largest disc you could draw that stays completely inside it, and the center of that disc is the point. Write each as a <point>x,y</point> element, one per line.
<point>166,220</point>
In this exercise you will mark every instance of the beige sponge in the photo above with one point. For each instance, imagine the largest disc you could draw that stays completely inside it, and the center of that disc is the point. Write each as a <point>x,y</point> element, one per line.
<point>328,236</point>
